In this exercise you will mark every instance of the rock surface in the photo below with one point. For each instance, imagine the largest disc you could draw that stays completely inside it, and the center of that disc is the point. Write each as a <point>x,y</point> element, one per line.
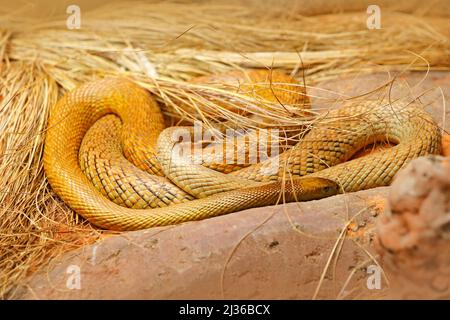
<point>432,90</point>
<point>413,236</point>
<point>277,252</point>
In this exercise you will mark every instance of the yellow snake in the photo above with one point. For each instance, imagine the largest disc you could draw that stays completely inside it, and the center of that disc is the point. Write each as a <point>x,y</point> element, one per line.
<point>109,157</point>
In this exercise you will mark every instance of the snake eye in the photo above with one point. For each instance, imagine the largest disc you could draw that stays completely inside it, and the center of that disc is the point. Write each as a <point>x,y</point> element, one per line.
<point>326,189</point>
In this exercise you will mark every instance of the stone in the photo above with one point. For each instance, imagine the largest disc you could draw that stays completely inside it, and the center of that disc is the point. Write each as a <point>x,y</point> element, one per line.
<point>277,252</point>
<point>413,237</point>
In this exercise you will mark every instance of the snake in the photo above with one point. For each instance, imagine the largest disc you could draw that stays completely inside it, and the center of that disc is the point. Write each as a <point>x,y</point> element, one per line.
<point>109,156</point>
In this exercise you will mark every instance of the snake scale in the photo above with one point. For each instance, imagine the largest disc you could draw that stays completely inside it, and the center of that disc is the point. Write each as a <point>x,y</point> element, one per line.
<point>108,156</point>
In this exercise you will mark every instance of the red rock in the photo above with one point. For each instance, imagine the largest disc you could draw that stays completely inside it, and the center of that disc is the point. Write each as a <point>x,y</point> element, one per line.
<point>413,237</point>
<point>273,252</point>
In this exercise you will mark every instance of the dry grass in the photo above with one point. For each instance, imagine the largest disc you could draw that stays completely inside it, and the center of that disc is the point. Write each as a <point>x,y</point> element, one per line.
<point>161,45</point>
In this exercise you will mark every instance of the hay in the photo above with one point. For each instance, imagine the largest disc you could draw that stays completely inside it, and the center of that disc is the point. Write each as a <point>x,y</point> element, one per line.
<point>161,45</point>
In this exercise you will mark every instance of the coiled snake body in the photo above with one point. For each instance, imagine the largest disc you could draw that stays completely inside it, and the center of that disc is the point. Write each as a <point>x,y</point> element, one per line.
<point>95,177</point>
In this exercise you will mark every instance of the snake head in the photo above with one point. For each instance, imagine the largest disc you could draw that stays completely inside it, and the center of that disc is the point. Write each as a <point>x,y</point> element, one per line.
<point>314,188</point>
